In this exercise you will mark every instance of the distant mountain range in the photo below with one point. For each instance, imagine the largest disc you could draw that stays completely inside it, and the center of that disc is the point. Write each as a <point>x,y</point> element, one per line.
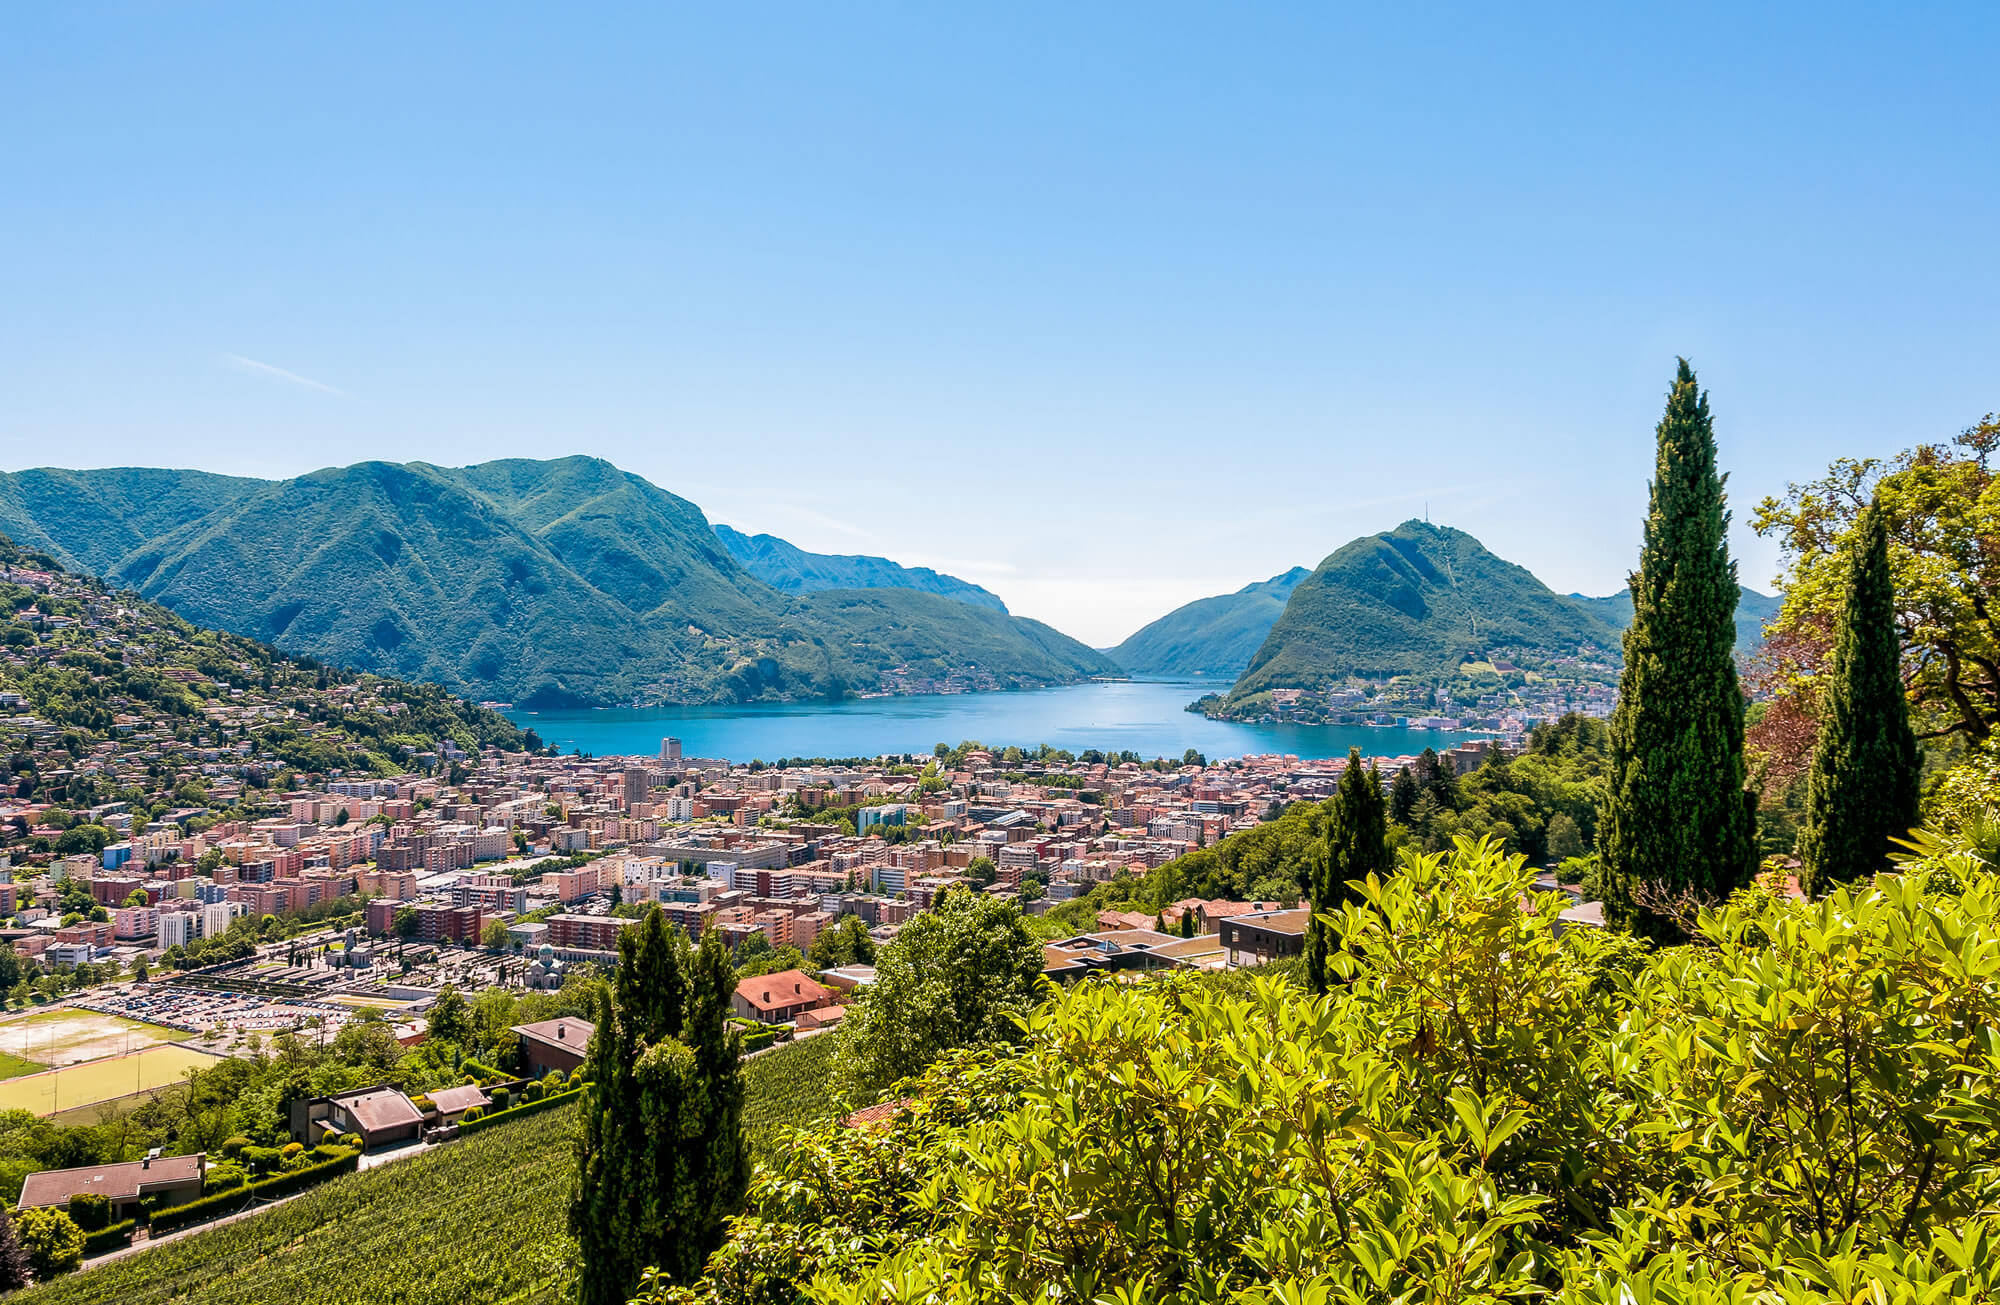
<point>1417,600</point>
<point>1210,636</point>
<point>1753,612</point>
<point>790,569</point>
<point>545,583</point>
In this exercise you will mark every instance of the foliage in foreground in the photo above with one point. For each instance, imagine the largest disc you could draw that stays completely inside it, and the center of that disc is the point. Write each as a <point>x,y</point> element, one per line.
<point>1795,1108</point>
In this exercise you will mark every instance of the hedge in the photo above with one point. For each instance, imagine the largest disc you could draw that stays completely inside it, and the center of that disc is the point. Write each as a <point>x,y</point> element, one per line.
<point>114,1237</point>
<point>515,1112</point>
<point>221,1203</point>
<point>760,1037</point>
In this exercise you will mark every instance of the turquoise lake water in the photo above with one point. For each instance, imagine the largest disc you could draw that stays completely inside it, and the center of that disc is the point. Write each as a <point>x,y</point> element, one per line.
<point>1143,716</point>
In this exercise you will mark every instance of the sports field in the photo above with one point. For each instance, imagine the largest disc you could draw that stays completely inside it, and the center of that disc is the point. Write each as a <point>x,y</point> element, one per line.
<point>66,1037</point>
<point>99,1080</point>
<point>14,1066</point>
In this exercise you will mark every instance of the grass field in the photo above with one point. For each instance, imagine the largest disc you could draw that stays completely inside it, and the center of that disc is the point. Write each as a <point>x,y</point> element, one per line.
<point>68,1037</point>
<point>473,1223</point>
<point>14,1066</point>
<point>75,1086</point>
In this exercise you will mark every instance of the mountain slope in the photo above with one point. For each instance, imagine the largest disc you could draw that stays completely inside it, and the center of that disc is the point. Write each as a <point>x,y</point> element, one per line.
<point>103,665</point>
<point>567,581</point>
<point>790,569</point>
<point>1753,610</point>
<point>90,519</point>
<point>1216,635</point>
<point>1416,600</point>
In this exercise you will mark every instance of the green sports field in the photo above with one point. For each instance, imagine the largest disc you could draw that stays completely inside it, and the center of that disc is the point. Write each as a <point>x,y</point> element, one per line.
<point>99,1080</point>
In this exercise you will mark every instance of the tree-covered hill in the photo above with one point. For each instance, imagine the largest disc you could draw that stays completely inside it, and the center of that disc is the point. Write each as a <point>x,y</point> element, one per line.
<point>92,665</point>
<point>1417,600</point>
<point>1213,636</point>
<point>566,581</point>
<point>788,568</point>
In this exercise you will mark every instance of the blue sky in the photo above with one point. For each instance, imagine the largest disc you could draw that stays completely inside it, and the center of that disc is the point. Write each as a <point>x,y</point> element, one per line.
<point>1105,307</point>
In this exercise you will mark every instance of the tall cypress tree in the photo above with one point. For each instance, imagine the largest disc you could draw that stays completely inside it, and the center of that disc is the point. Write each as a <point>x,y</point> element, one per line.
<point>1862,790</point>
<point>1357,845</point>
<point>720,1155</point>
<point>661,1158</point>
<point>606,1152</point>
<point>1676,817</point>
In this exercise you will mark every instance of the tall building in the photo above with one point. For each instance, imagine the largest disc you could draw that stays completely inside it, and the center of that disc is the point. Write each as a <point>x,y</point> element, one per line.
<point>637,786</point>
<point>670,751</point>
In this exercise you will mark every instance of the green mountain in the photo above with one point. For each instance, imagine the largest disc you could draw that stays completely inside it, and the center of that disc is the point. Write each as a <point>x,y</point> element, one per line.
<point>790,569</point>
<point>1212,636</point>
<point>99,667</point>
<point>1753,612</point>
<point>1416,600</point>
<point>545,583</point>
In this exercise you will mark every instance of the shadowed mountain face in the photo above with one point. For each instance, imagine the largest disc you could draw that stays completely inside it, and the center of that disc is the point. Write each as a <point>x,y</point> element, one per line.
<point>1416,600</point>
<point>790,569</point>
<point>1210,636</point>
<point>567,581</point>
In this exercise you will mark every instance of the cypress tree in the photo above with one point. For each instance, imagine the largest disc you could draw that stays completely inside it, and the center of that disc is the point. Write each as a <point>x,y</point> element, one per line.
<point>1357,845</point>
<point>606,1171</point>
<point>661,1157</point>
<point>1862,790</point>
<point>1403,795</point>
<point>721,1165</point>
<point>1676,817</point>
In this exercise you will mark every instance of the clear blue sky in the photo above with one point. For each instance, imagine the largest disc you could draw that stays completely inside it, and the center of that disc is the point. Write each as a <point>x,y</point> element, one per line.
<point>1105,307</point>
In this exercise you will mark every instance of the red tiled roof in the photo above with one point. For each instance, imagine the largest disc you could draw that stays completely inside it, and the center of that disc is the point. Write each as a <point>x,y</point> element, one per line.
<point>380,1109</point>
<point>784,989</point>
<point>570,1034</point>
<point>120,1182</point>
<point>870,1116</point>
<point>451,1101</point>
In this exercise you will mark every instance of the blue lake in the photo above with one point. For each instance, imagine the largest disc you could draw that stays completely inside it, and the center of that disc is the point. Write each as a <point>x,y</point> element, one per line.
<point>1143,716</point>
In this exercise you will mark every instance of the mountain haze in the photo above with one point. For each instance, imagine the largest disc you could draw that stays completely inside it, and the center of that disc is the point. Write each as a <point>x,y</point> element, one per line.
<point>1214,636</point>
<point>1416,600</point>
<point>790,569</point>
<point>568,581</point>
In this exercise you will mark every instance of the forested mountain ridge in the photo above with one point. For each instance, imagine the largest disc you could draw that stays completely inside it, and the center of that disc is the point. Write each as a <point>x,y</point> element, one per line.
<point>1417,600</point>
<point>1216,635</point>
<point>91,664</point>
<point>1753,610</point>
<point>567,581</point>
<point>791,569</point>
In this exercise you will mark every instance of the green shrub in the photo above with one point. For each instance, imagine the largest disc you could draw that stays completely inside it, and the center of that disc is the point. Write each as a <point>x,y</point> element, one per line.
<point>223,1178</point>
<point>472,1116</point>
<point>352,1141</point>
<point>290,1149</point>
<point>214,1206</point>
<point>500,1097</point>
<point>261,1159</point>
<point>112,1237</point>
<point>90,1211</point>
<point>52,1240</point>
<point>235,1146</point>
<point>490,1119</point>
<point>1490,1107</point>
